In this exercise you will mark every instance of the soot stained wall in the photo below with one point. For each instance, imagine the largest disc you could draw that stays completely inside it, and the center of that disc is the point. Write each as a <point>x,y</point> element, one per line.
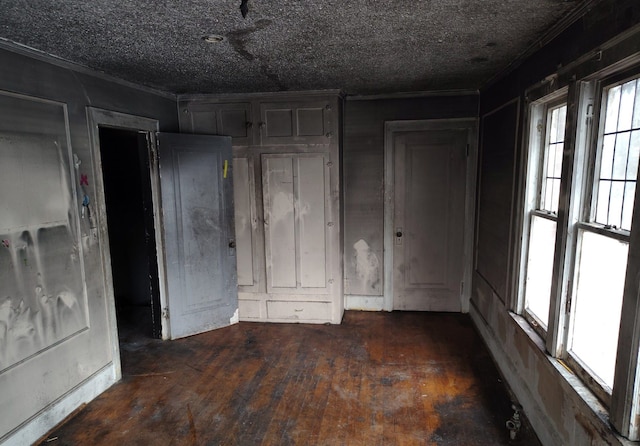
<point>559,407</point>
<point>81,333</point>
<point>363,169</point>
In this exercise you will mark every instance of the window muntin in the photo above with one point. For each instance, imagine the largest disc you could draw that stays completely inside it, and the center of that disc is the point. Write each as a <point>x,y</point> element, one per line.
<point>552,166</point>
<point>620,150</point>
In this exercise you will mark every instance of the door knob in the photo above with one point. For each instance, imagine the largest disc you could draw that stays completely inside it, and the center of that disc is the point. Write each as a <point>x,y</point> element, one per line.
<point>399,234</point>
<point>232,244</point>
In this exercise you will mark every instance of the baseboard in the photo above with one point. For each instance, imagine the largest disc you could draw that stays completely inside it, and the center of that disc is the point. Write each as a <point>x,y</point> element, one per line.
<point>364,303</point>
<point>535,414</point>
<point>33,429</point>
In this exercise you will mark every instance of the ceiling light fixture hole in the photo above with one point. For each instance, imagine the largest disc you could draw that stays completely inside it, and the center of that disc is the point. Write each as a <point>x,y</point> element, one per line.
<point>213,38</point>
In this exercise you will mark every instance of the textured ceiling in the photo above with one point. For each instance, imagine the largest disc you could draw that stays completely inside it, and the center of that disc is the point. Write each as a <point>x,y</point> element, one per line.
<point>359,46</point>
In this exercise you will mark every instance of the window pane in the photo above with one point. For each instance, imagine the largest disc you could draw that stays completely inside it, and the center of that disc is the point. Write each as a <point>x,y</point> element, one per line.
<point>553,151</point>
<point>620,157</point>
<point>636,110</point>
<point>602,209</point>
<point>555,197</point>
<point>597,303</point>
<point>626,105</point>
<point>606,159</point>
<point>562,117</point>
<point>557,166</point>
<point>548,194</point>
<point>615,203</point>
<point>553,126</point>
<point>540,267</point>
<point>613,103</point>
<point>634,154</point>
<point>627,212</point>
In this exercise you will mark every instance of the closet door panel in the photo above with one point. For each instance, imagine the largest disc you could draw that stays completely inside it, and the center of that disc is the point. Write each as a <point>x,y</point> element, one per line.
<point>296,191</point>
<point>312,194</point>
<point>279,221</point>
<point>243,198</point>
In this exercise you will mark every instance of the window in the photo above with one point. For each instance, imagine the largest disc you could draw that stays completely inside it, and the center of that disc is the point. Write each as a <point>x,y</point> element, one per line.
<point>620,143</point>
<point>545,171</point>
<point>602,244</point>
<point>579,202</point>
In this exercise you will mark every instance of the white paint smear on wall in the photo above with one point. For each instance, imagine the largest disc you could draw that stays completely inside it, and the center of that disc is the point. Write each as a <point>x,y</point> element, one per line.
<point>367,266</point>
<point>34,191</point>
<point>40,300</point>
<point>281,207</point>
<point>42,297</point>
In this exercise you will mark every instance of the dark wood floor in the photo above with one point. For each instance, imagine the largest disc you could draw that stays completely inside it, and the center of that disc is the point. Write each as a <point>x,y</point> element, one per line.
<point>377,379</point>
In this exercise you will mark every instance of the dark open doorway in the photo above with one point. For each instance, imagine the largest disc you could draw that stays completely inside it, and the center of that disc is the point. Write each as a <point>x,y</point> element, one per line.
<point>132,244</point>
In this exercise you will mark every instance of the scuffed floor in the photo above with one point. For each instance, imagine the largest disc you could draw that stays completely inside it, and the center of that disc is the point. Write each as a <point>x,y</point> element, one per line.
<point>377,379</point>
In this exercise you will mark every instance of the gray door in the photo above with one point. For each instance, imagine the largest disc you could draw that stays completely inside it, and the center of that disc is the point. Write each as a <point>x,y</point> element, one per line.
<point>429,203</point>
<point>197,206</point>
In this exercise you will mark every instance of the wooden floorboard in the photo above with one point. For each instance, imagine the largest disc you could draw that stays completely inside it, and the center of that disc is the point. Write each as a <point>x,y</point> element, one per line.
<point>398,378</point>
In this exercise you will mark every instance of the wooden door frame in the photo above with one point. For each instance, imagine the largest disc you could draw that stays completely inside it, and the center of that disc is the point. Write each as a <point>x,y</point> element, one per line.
<point>390,129</point>
<point>97,118</point>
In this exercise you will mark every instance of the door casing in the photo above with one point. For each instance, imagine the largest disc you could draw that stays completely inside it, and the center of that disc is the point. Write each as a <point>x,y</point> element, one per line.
<point>106,118</point>
<point>393,127</point>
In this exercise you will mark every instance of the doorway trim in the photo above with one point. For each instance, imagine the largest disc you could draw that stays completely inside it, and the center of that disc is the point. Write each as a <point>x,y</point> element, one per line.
<point>97,118</point>
<point>390,129</point>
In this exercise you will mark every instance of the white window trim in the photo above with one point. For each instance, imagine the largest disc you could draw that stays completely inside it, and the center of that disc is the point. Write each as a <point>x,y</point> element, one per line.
<point>536,145</point>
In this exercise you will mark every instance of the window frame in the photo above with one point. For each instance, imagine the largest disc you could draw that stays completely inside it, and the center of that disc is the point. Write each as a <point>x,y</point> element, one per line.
<point>576,214</point>
<point>593,126</point>
<point>603,84</point>
<point>539,124</point>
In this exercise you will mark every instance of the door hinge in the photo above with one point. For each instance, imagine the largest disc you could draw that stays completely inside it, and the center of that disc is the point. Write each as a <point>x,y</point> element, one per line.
<point>461,288</point>
<point>165,313</point>
<point>467,149</point>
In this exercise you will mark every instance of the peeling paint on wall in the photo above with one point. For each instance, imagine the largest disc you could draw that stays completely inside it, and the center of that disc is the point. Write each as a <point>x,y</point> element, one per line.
<point>366,265</point>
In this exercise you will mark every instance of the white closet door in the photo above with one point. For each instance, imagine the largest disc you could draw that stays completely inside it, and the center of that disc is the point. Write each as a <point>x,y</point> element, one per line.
<point>296,218</point>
